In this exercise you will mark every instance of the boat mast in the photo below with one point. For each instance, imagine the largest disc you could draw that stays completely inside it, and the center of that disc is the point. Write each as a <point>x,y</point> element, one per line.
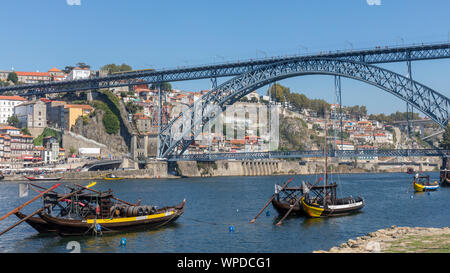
<point>326,156</point>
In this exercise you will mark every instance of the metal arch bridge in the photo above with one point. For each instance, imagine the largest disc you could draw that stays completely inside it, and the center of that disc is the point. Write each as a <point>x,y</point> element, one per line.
<point>214,71</point>
<point>419,96</point>
<point>178,135</point>
<point>365,153</point>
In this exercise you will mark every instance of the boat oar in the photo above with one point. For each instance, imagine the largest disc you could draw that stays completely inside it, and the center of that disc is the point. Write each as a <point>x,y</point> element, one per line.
<point>270,200</point>
<point>125,202</point>
<point>42,209</point>
<point>287,213</point>
<point>29,202</point>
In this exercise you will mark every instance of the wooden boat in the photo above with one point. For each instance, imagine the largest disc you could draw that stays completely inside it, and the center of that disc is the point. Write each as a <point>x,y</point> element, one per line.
<point>445,178</point>
<point>286,199</point>
<point>158,218</point>
<point>422,183</point>
<point>330,205</point>
<point>81,213</point>
<point>112,177</point>
<point>322,201</point>
<point>42,178</point>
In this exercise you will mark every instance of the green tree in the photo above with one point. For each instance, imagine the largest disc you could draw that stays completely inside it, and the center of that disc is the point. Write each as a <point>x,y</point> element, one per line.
<point>13,121</point>
<point>445,143</point>
<point>165,86</point>
<point>113,68</point>
<point>83,65</point>
<point>25,131</point>
<point>12,76</point>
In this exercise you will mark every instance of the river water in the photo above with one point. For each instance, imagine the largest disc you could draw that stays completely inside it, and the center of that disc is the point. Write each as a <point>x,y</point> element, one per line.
<point>214,204</point>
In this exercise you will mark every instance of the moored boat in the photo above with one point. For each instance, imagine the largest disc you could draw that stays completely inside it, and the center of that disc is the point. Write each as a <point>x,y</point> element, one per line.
<point>422,183</point>
<point>331,206</point>
<point>83,226</point>
<point>81,213</point>
<point>286,199</point>
<point>322,201</point>
<point>445,178</point>
<point>112,177</point>
<point>42,178</point>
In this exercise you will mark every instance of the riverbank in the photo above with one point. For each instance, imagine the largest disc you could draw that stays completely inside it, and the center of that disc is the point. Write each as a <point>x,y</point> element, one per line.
<point>159,169</point>
<point>398,240</point>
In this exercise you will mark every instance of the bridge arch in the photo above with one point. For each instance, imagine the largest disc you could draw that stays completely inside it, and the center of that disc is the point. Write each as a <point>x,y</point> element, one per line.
<point>428,101</point>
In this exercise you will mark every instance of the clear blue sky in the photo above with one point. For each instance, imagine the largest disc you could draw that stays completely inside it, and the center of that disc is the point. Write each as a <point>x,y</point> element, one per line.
<point>39,35</point>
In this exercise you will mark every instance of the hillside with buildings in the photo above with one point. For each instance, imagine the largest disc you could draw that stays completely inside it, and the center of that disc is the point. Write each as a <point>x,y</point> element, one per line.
<point>63,128</point>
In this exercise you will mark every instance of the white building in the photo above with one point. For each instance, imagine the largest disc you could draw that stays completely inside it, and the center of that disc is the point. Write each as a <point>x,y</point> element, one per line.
<point>7,104</point>
<point>79,73</point>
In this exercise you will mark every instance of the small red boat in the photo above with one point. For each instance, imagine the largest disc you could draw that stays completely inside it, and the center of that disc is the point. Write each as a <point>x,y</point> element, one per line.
<point>42,178</point>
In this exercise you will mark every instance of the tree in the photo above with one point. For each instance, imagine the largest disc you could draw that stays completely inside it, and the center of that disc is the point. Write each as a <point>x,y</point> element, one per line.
<point>12,76</point>
<point>165,86</point>
<point>113,68</point>
<point>25,131</point>
<point>83,65</point>
<point>67,69</point>
<point>445,143</point>
<point>13,121</point>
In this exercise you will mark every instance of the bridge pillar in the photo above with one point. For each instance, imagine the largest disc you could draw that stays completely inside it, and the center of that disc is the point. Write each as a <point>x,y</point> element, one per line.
<point>134,153</point>
<point>89,96</point>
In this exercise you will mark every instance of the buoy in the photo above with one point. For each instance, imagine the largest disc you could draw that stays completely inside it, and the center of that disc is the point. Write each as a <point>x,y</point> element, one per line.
<point>237,210</point>
<point>123,241</point>
<point>231,228</point>
<point>98,227</point>
<point>267,213</point>
<point>412,197</point>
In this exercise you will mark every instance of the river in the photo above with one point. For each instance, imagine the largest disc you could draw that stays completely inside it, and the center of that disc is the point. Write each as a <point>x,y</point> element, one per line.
<point>214,204</point>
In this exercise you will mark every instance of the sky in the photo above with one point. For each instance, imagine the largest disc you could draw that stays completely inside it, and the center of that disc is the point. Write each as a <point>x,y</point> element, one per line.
<point>39,35</point>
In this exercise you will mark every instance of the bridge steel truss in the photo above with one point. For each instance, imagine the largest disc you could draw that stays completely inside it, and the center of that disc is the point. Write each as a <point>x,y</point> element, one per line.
<point>366,153</point>
<point>176,137</point>
<point>372,56</point>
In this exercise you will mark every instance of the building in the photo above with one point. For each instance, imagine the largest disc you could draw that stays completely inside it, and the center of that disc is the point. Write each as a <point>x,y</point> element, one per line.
<point>71,112</point>
<point>4,75</point>
<point>57,75</point>
<point>144,123</point>
<point>7,104</point>
<point>32,114</point>
<point>79,73</point>
<point>55,112</point>
<point>33,77</point>
<point>15,147</point>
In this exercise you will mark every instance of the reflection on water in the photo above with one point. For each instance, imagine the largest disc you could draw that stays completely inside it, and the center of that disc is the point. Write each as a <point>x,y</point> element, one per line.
<point>216,204</point>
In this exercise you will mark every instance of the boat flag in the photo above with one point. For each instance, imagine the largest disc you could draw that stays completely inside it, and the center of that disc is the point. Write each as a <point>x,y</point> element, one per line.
<point>277,188</point>
<point>305,187</point>
<point>23,190</point>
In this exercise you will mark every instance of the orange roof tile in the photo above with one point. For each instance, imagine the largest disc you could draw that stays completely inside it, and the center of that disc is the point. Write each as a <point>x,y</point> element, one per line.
<point>12,98</point>
<point>37,74</point>
<point>9,128</point>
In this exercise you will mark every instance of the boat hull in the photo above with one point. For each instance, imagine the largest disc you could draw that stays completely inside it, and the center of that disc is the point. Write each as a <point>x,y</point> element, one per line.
<point>37,223</point>
<point>445,182</point>
<point>112,178</point>
<point>315,210</point>
<point>69,227</point>
<point>282,207</point>
<point>422,188</point>
<point>43,179</point>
